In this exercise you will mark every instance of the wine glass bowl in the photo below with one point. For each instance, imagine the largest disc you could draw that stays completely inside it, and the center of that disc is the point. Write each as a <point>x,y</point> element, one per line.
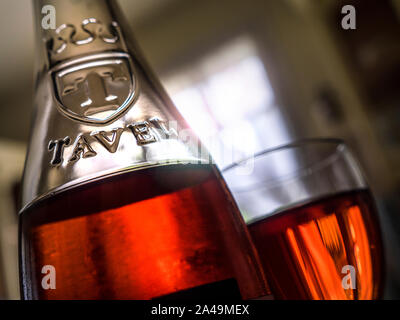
<point>313,220</point>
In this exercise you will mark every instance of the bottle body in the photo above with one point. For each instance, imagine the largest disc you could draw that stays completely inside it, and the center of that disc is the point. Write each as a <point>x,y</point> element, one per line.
<point>120,200</point>
<point>140,235</point>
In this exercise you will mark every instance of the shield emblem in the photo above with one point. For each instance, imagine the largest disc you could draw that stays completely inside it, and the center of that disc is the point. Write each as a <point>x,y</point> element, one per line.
<point>95,92</point>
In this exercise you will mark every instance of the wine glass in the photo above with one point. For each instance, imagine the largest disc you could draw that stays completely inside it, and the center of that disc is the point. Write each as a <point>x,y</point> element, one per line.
<point>313,220</point>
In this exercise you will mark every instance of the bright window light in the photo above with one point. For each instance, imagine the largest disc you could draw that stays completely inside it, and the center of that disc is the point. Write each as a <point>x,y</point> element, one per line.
<point>228,101</point>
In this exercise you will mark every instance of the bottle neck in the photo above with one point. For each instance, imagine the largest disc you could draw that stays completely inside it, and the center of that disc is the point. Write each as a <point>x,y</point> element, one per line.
<point>71,29</point>
<point>99,110</point>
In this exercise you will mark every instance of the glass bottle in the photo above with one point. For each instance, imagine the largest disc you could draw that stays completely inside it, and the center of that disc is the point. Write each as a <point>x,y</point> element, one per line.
<point>120,200</point>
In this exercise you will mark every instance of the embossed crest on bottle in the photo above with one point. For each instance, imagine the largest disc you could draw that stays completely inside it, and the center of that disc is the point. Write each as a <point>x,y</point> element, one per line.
<point>96,91</point>
<point>98,88</point>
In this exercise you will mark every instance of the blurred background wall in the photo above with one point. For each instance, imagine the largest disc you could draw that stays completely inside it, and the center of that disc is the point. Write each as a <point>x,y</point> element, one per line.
<point>255,73</point>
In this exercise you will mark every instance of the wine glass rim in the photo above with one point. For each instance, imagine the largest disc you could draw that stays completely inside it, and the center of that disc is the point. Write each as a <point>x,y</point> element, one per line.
<point>340,143</point>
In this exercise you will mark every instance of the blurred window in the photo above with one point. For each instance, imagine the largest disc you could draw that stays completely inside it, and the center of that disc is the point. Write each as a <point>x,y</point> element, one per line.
<point>228,101</point>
